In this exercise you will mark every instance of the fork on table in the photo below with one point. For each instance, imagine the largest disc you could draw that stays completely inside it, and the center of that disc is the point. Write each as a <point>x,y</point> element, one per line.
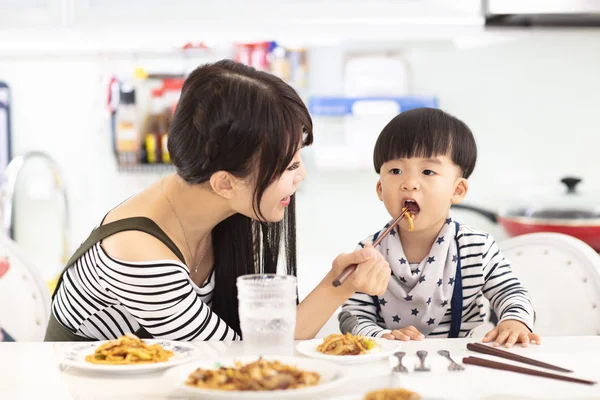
<point>454,366</point>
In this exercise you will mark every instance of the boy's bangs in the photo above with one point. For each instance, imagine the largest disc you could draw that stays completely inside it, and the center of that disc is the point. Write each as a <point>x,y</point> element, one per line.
<point>420,145</point>
<point>416,141</point>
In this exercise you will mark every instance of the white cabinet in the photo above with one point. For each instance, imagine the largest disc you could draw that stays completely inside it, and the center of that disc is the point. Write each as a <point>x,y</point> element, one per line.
<point>104,25</point>
<point>200,13</point>
<point>132,13</point>
<point>248,13</point>
<point>31,13</point>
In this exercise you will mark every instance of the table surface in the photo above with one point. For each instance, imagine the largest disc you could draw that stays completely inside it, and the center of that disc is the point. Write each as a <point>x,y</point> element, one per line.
<point>31,370</point>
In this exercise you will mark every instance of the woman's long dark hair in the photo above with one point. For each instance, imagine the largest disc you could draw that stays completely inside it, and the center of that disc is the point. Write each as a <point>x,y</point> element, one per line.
<point>231,117</point>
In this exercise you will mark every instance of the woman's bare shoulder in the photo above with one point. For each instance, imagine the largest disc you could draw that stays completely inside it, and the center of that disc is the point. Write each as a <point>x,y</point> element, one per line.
<point>135,246</point>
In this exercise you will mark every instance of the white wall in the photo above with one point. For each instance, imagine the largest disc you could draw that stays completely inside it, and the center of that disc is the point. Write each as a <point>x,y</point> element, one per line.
<point>532,104</point>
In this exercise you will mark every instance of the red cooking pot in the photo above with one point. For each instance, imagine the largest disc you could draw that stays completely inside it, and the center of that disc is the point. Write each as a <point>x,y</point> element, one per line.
<point>568,212</point>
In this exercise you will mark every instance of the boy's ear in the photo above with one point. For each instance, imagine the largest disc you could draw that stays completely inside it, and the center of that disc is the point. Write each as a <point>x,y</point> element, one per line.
<point>460,191</point>
<point>379,190</point>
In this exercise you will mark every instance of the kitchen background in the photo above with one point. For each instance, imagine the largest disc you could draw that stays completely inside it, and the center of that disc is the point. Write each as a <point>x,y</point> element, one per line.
<point>531,97</point>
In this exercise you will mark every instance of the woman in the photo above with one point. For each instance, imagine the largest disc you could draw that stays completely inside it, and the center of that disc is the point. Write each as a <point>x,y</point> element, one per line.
<point>164,263</point>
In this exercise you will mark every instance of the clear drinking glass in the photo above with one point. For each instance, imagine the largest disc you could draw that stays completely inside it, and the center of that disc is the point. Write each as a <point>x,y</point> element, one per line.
<point>267,307</point>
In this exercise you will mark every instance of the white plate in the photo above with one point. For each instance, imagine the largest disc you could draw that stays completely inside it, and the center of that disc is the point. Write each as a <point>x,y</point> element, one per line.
<point>74,357</point>
<point>361,386</point>
<point>386,349</point>
<point>362,397</point>
<point>331,376</point>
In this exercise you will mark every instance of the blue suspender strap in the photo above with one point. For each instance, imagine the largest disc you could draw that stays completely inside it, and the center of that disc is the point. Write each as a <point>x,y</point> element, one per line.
<point>456,304</point>
<point>375,298</point>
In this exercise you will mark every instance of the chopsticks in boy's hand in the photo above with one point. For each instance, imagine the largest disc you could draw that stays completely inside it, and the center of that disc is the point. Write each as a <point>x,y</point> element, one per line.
<point>352,267</point>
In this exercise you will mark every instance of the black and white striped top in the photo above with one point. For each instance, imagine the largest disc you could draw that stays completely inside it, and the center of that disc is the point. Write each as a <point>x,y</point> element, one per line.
<point>485,272</point>
<point>103,298</point>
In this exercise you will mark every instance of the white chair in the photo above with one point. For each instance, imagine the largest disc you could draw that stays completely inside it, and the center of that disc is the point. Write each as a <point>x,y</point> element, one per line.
<point>24,296</point>
<point>562,275</point>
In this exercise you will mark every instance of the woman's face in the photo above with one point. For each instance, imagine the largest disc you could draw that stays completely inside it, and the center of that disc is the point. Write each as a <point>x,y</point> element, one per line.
<point>276,197</point>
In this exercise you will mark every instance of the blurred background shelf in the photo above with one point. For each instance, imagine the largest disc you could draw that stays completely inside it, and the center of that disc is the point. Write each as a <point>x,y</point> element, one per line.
<point>147,168</point>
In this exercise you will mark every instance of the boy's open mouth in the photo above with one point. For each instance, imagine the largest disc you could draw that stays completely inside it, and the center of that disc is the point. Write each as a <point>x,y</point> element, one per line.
<point>412,206</point>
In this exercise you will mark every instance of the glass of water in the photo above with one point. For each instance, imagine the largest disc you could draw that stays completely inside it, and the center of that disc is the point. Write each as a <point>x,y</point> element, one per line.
<point>267,307</point>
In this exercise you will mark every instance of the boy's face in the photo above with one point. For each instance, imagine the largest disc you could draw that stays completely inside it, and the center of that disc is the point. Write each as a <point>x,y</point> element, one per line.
<point>434,184</point>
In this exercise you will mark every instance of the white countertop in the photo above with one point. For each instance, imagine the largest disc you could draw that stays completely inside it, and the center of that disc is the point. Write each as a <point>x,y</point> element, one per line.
<point>31,370</point>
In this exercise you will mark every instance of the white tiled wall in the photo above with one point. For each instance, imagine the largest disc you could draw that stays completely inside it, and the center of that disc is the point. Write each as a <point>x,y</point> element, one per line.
<point>532,103</point>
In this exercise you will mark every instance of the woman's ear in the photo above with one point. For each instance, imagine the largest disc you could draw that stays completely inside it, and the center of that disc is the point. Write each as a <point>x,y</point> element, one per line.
<point>223,184</point>
<point>460,191</point>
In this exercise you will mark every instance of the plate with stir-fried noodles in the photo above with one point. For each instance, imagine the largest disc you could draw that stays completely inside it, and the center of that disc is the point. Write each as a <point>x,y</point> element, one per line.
<point>385,394</point>
<point>128,354</point>
<point>254,377</point>
<point>348,349</point>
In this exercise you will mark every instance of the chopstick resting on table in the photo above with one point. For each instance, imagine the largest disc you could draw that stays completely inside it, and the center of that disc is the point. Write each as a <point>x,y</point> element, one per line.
<point>482,362</point>
<point>482,348</point>
<point>352,267</point>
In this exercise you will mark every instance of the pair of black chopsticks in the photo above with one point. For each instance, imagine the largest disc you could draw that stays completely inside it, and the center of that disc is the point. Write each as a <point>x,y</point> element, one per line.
<point>352,267</point>
<point>482,362</point>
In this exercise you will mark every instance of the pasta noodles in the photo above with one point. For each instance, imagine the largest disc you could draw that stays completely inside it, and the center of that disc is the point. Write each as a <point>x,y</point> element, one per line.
<point>409,217</point>
<point>392,394</point>
<point>259,375</point>
<point>128,349</point>
<point>346,345</point>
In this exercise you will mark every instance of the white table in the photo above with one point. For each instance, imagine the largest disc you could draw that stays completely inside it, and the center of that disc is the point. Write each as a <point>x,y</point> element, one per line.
<point>31,371</point>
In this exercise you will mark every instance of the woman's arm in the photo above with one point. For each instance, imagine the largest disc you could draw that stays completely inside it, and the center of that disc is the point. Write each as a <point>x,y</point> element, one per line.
<point>371,277</point>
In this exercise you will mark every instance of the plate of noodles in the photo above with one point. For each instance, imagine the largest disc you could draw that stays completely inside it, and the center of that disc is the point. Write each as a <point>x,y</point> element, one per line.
<point>253,377</point>
<point>348,349</point>
<point>128,354</point>
<point>385,394</point>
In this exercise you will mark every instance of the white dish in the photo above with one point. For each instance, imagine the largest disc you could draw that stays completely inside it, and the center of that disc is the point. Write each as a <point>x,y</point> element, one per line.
<point>74,357</point>
<point>331,376</point>
<point>386,348</point>
<point>362,397</point>
<point>361,387</point>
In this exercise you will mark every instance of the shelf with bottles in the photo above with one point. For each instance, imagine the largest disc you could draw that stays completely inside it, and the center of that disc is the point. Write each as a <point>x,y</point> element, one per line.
<point>147,168</point>
<point>140,123</point>
<point>288,63</point>
<point>142,104</point>
<point>348,128</point>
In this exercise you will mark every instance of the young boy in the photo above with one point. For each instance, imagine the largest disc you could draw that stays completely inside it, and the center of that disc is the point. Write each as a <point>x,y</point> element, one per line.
<point>441,270</point>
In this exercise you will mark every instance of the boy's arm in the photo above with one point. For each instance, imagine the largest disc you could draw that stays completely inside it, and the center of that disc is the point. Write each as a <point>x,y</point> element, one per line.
<point>360,316</point>
<point>508,298</point>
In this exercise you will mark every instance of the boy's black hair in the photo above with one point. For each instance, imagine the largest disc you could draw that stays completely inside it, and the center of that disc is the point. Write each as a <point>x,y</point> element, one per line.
<point>426,132</point>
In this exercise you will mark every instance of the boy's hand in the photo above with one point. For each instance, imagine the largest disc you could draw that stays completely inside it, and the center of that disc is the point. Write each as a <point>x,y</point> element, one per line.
<point>509,332</point>
<point>404,334</point>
